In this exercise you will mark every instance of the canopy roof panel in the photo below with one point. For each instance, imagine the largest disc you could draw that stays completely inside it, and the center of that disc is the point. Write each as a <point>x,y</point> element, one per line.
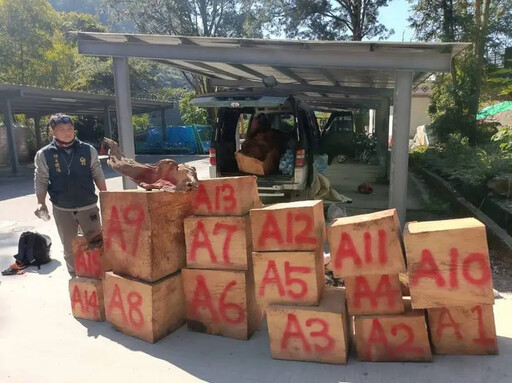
<point>348,66</point>
<point>43,101</point>
<point>349,63</point>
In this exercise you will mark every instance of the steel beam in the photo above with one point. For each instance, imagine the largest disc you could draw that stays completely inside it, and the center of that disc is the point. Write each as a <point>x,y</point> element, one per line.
<point>164,126</point>
<point>382,133</point>
<point>11,141</point>
<point>351,90</point>
<point>124,113</point>
<point>37,128</point>
<point>107,123</point>
<point>287,57</point>
<point>400,146</point>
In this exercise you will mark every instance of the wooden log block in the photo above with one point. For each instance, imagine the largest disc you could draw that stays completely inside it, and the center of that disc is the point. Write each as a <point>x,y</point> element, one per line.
<point>221,302</point>
<point>288,226</point>
<point>289,277</point>
<point>448,263</point>
<point>87,298</point>
<point>89,263</point>
<point>148,311</point>
<point>374,294</point>
<point>367,244</point>
<point>393,338</point>
<point>143,232</point>
<point>466,330</point>
<point>226,196</point>
<point>309,333</point>
<point>218,242</point>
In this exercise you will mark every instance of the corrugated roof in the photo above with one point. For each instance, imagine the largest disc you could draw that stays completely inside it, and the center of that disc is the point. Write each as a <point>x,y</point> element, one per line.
<point>242,63</point>
<point>35,100</point>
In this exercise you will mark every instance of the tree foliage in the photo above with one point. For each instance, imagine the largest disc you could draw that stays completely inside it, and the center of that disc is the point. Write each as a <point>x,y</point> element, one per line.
<point>191,114</point>
<point>73,21</point>
<point>27,29</point>
<point>329,20</point>
<point>456,97</point>
<point>226,18</point>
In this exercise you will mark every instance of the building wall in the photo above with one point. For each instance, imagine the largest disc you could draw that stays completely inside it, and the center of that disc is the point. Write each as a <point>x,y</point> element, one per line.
<point>21,135</point>
<point>419,113</point>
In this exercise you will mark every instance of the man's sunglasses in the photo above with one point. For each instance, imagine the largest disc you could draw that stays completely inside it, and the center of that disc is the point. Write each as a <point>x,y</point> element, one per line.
<point>60,120</point>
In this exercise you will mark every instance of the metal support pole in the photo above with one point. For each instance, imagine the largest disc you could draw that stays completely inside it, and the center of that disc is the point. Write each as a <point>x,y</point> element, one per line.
<point>371,121</point>
<point>11,141</point>
<point>37,127</point>
<point>382,133</point>
<point>107,123</point>
<point>124,112</point>
<point>400,147</point>
<point>164,129</point>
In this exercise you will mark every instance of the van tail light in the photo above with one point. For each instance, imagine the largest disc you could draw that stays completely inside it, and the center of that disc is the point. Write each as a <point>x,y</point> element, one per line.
<point>300,158</point>
<point>213,157</point>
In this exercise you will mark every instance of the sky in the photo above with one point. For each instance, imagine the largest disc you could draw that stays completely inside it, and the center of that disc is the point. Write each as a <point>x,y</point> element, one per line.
<point>395,16</point>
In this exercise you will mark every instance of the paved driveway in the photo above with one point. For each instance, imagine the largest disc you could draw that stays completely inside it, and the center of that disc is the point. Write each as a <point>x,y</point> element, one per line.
<point>41,342</point>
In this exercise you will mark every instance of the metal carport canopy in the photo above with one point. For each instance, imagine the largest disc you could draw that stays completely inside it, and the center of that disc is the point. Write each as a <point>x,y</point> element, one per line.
<point>37,102</point>
<point>43,101</point>
<point>348,68</point>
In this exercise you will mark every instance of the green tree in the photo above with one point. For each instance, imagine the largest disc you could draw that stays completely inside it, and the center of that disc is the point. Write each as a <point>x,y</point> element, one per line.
<point>227,18</point>
<point>57,67</point>
<point>456,98</point>
<point>191,114</point>
<point>140,122</point>
<point>72,21</point>
<point>27,29</point>
<point>329,20</point>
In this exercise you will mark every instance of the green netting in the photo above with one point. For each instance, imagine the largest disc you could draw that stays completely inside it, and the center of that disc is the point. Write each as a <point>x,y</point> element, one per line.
<point>494,109</point>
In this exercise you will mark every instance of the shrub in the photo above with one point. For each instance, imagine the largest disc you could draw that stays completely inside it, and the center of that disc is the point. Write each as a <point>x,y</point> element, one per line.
<point>463,164</point>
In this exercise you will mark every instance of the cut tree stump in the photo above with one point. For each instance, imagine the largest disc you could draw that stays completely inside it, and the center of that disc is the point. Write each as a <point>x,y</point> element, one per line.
<point>87,299</point>
<point>293,226</point>
<point>166,174</point>
<point>143,232</point>
<point>367,244</point>
<point>309,333</point>
<point>448,263</point>
<point>218,242</point>
<point>148,311</point>
<point>466,330</point>
<point>221,302</point>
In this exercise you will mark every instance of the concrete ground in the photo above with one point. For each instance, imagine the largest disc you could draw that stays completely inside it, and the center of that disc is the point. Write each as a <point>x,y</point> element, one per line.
<point>40,341</point>
<point>346,177</point>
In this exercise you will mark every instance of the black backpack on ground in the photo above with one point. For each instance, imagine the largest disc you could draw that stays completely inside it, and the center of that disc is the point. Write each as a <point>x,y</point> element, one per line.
<point>33,249</point>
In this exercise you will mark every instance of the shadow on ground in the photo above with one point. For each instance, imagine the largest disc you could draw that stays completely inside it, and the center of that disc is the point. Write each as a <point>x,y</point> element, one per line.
<point>220,360</point>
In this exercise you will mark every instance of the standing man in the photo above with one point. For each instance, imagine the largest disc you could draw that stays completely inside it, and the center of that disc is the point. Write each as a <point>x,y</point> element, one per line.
<point>67,169</point>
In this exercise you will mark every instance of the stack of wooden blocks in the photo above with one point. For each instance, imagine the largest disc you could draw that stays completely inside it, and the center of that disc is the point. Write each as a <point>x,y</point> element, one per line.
<point>367,253</point>
<point>450,277</point>
<point>244,260</point>
<point>306,321</point>
<point>218,280</point>
<point>86,291</point>
<point>144,243</point>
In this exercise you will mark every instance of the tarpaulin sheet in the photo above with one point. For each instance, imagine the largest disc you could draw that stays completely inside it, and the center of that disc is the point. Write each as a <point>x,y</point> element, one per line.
<point>494,109</point>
